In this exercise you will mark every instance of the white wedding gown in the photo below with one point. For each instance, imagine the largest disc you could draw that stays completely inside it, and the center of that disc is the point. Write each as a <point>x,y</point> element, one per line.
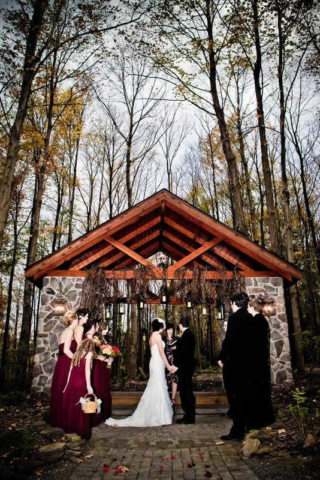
<point>155,407</point>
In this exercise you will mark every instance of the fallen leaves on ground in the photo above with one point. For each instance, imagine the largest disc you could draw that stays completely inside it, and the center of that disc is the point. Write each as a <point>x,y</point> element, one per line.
<point>122,469</point>
<point>191,464</point>
<point>219,443</point>
<point>208,474</point>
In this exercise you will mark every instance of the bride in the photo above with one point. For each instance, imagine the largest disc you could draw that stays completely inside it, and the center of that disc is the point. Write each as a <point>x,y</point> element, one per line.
<point>155,407</point>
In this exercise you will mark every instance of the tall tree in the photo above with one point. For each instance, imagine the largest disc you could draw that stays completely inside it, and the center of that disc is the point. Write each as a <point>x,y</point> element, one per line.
<point>46,27</point>
<point>190,30</point>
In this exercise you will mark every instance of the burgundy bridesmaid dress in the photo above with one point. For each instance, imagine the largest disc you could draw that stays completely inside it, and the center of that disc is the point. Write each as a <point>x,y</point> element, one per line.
<point>74,420</point>
<point>101,386</point>
<point>59,381</point>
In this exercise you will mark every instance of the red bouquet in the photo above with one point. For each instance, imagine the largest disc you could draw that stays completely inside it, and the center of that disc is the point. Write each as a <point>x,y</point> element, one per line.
<point>110,352</point>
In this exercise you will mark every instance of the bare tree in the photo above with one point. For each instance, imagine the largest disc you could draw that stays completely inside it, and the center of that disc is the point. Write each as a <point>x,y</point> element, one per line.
<point>133,110</point>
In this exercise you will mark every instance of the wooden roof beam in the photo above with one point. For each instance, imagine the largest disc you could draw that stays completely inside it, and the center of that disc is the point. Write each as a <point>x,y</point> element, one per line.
<point>128,274</point>
<point>223,252</point>
<point>193,255</point>
<point>256,252</point>
<point>133,254</point>
<point>78,264</point>
<point>106,262</point>
<point>178,255</point>
<point>205,257</point>
<point>148,250</point>
<point>78,246</point>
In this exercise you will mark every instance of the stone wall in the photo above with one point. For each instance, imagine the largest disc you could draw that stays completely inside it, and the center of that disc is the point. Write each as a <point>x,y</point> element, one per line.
<point>280,356</point>
<point>50,326</point>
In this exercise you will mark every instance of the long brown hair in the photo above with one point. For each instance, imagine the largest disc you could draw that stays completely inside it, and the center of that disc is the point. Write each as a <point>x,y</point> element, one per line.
<point>87,346</point>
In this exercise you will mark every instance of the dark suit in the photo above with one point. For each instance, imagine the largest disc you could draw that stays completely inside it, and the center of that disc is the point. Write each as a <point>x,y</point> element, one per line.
<point>185,361</point>
<point>245,356</point>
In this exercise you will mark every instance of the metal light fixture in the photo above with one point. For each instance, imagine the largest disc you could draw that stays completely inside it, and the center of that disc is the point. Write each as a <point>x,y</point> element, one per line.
<point>164,298</point>
<point>268,308</point>
<point>140,303</point>
<point>204,311</point>
<point>108,312</point>
<point>189,301</point>
<point>144,333</point>
<point>220,311</point>
<point>60,306</point>
<point>121,309</point>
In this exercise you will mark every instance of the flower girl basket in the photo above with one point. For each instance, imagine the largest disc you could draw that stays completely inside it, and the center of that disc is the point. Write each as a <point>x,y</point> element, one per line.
<point>89,405</point>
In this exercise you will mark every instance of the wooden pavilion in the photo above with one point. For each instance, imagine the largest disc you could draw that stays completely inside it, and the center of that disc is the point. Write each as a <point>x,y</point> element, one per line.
<point>191,238</point>
<point>166,223</point>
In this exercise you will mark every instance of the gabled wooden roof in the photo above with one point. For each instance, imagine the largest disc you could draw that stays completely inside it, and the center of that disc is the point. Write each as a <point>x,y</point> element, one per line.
<point>166,223</point>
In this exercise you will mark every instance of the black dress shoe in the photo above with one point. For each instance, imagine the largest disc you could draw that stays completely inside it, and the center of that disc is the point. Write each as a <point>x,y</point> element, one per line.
<point>181,420</point>
<point>186,421</point>
<point>232,436</point>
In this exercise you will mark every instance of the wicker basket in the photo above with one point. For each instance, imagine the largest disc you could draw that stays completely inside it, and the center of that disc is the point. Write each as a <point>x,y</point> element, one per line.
<point>91,405</point>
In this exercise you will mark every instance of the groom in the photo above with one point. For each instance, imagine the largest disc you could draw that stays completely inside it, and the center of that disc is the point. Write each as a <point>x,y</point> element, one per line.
<point>185,363</point>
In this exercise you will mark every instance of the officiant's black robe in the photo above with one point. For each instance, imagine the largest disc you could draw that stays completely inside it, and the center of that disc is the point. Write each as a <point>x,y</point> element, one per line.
<point>246,357</point>
<point>185,361</point>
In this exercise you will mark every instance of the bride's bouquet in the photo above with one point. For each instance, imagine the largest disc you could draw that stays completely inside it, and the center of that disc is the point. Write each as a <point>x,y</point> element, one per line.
<point>109,352</point>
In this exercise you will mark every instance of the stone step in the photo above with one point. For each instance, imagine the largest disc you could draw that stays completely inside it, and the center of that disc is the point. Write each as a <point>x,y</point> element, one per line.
<point>125,411</point>
<point>202,399</point>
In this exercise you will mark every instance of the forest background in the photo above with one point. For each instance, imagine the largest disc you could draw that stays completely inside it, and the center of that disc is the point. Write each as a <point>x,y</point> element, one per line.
<point>103,103</point>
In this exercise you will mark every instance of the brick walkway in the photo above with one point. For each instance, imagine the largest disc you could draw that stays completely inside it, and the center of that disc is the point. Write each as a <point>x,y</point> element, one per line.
<point>164,453</point>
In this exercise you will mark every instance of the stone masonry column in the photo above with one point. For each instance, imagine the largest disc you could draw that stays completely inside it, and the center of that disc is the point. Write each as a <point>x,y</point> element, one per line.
<point>50,326</point>
<point>280,356</point>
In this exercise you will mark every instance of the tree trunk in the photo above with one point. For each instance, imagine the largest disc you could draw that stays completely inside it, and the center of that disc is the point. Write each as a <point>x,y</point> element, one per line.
<point>245,168</point>
<point>133,344</point>
<point>23,350</point>
<point>286,201</point>
<point>5,340</point>
<point>73,192</point>
<point>224,134</point>
<point>213,169</point>
<point>272,220</point>
<point>128,166</point>
<point>29,72</point>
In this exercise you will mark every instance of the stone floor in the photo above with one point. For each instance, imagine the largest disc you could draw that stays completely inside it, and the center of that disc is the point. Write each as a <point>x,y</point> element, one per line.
<point>165,452</point>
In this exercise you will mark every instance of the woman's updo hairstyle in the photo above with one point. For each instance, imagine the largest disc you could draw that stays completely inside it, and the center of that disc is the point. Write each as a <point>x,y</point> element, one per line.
<point>257,303</point>
<point>169,326</point>
<point>156,325</point>
<point>89,324</point>
<point>69,317</point>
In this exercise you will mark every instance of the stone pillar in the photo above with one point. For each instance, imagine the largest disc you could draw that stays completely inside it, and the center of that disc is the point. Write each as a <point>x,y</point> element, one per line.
<point>280,356</point>
<point>50,326</point>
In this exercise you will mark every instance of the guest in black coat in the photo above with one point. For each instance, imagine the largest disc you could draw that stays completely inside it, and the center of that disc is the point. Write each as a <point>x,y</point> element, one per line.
<point>227,377</point>
<point>244,355</point>
<point>185,362</point>
<point>261,411</point>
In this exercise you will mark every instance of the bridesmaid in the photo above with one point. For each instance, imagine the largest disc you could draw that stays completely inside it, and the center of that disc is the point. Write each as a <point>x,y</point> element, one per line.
<point>170,346</point>
<point>101,382</point>
<point>78,385</point>
<point>67,347</point>
<point>83,316</point>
